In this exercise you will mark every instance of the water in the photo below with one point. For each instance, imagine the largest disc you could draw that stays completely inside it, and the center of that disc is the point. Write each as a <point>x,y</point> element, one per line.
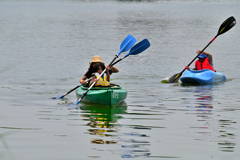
<point>45,48</point>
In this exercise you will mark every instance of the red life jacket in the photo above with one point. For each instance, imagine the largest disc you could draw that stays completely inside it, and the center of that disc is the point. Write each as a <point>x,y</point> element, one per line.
<point>203,65</point>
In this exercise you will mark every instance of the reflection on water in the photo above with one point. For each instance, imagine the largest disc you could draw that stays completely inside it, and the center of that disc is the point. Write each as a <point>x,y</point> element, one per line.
<point>133,147</point>
<point>5,145</point>
<point>202,106</point>
<point>135,0</point>
<point>201,103</point>
<point>102,121</point>
<point>105,128</point>
<point>226,132</point>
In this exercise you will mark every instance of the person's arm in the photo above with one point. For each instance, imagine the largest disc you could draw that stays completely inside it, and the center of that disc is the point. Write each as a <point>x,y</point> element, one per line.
<point>82,81</point>
<point>108,74</point>
<point>188,68</point>
<point>94,79</point>
<point>195,67</point>
<point>210,59</point>
<point>114,69</point>
<point>199,51</point>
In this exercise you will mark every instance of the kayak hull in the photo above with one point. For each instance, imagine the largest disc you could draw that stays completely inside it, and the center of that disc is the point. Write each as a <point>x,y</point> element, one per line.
<point>110,96</point>
<point>204,76</point>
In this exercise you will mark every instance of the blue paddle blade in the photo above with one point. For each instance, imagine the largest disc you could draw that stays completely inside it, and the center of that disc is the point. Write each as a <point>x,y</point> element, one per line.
<point>138,48</point>
<point>58,97</point>
<point>75,103</point>
<point>127,43</point>
<point>78,101</point>
<point>72,105</point>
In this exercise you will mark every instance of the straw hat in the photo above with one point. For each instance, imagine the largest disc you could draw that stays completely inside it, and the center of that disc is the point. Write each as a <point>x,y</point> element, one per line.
<point>96,59</point>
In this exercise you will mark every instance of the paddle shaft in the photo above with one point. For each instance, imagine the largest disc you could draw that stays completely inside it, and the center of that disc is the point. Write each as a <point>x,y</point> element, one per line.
<point>116,56</point>
<point>76,87</point>
<point>118,61</point>
<point>70,91</point>
<point>200,52</point>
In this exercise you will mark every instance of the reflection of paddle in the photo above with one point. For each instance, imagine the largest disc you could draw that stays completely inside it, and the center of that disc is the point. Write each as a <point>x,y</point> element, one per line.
<point>138,48</point>
<point>226,25</point>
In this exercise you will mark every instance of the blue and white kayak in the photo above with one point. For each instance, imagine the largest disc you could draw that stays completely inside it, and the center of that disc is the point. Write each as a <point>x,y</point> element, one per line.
<point>204,76</point>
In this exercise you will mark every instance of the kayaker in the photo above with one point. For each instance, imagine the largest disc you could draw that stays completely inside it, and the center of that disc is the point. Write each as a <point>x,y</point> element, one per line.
<point>89,73</point>
<point>209,56</point>
<point>97,71</point>
<point>203,61</point>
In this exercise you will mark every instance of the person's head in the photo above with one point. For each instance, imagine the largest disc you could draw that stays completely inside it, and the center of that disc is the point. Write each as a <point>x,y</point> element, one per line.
<point>95,59</point>
<point>99,67</point>
<point>202,57</point>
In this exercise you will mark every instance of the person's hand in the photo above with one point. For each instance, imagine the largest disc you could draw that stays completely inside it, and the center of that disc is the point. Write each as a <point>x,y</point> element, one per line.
<point>198,51</point>
<point>83,82</point>
<point>187,67</point>
<point>107,68</point>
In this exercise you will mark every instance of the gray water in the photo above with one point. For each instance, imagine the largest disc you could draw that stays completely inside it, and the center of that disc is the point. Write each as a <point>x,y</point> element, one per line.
<point>45,48</point>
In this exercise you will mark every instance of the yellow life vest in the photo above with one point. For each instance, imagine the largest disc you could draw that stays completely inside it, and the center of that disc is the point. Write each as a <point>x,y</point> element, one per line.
<point>102,80</point>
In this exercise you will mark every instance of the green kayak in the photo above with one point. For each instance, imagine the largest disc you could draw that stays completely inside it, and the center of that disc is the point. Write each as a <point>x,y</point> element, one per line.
<point>110,95</point>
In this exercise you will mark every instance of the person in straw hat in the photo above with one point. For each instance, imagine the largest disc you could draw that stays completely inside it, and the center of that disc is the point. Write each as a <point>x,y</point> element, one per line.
<point>96,59</point>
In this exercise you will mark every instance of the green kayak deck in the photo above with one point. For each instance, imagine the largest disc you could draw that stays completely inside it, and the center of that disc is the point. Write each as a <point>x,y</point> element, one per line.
<point>110,95</point>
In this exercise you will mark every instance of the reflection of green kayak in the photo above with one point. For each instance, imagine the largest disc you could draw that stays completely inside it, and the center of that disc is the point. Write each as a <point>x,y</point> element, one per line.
<point>111,95</point>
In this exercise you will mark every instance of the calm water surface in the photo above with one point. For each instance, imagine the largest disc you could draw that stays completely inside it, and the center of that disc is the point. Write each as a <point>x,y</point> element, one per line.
<point>45,48</point>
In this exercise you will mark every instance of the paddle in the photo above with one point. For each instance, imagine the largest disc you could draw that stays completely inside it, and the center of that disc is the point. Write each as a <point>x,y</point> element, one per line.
<point>138,48</point>
<point>127,43</point>
<point>69,91</point>
<point>226,25</point>
<point>66,93</point>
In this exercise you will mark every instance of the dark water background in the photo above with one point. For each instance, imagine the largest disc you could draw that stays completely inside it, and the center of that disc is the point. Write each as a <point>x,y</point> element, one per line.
<point>45,48</point>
